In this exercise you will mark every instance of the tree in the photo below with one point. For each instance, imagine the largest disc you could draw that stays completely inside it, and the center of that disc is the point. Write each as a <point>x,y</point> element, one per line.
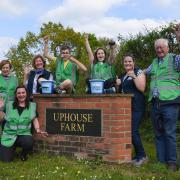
<point>32,44</point>
<point>140,45</point>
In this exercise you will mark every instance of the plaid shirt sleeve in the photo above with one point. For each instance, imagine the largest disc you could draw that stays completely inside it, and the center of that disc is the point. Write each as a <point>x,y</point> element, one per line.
<point>148,70</point>
<point>177,63</point>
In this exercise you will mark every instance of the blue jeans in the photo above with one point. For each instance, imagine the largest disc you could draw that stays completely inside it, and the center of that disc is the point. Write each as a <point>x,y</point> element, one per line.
<point>137,116</point>
<point>164,119</point>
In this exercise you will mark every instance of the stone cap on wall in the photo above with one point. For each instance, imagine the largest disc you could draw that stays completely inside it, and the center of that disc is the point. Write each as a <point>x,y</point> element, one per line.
<point>81,95</point>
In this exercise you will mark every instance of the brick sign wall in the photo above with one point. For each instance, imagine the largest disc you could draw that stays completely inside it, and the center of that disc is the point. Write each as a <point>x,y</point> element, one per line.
<point>114,142</point>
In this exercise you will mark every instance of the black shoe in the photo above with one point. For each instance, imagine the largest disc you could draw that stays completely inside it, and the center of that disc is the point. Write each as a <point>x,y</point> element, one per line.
<point>172,167</point>
<point>23,157</point>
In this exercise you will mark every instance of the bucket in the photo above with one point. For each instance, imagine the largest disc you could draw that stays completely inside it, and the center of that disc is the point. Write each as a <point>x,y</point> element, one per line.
<point>47,87</point>
<point>97,86</point>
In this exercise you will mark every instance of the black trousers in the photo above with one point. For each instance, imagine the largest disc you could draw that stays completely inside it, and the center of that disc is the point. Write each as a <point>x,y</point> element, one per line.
<point>23,141</point>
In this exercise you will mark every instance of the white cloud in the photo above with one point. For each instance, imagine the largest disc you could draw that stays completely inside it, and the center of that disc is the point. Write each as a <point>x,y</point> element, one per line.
<point>12,7</point>
<point>165,3</point>
<point>5,44</point>
<point>111,27</point>
<point>90,16</point>
<point>80,10</point>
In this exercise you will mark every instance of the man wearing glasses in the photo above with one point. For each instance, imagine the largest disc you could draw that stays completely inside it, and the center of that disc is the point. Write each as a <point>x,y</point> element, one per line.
<point>66,68</point>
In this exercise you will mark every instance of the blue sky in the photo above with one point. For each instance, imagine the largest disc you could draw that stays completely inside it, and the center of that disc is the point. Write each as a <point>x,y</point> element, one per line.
<point>102,17</point>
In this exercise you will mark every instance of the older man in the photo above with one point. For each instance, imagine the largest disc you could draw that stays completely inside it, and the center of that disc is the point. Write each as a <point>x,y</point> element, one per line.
<point>165,98</point>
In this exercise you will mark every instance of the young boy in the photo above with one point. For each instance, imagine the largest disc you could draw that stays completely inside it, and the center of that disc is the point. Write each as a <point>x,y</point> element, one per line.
<point>66,68</point>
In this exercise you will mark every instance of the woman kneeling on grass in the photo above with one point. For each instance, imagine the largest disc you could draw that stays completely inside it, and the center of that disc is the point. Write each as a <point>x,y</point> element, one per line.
<point>19,117</point>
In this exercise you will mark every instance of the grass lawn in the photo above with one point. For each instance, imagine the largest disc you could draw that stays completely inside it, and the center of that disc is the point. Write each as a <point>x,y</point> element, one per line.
<point>46,167</point>
<point>43,166</point>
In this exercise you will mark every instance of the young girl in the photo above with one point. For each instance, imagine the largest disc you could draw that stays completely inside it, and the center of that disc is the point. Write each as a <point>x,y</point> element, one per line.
<point>101,66</point>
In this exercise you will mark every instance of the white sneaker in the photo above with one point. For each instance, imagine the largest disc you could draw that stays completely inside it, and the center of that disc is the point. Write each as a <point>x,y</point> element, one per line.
<point>63,91</point>
<point>114,89</point>
<point>141,161</point>
<point>59,91</point>
<point>133,161</point>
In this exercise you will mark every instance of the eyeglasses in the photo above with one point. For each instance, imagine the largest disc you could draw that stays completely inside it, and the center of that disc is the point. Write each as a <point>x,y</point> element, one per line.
<point>64,52</point>
<point>160,47</point>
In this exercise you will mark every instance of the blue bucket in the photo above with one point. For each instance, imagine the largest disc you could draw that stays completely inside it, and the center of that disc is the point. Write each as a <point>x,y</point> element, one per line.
<point>47,87</point>
<point>97,86</point>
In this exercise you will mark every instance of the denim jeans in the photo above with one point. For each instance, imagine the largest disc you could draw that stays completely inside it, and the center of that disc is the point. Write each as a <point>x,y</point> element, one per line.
<point>164,119</point>
<point>137,116</point>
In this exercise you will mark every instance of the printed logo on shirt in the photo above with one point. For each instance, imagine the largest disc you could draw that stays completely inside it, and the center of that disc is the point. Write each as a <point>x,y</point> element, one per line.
<point>139,72</point>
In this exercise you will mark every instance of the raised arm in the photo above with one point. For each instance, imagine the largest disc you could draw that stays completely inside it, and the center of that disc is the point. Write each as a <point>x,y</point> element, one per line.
<point>177,57</point>
<point>111,58</point>
<point>177,33</point>
<point>79,64</point>
<point>46,49</point>
<point>26,75</point>
<point>88,49</point>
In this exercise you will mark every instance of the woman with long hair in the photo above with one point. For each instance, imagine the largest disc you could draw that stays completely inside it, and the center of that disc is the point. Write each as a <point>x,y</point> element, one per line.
<point>101,65</point>
<point>20,114</point>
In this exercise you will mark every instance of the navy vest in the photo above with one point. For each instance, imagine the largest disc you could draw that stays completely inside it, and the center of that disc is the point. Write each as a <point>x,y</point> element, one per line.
<point>46,74</point>
<point>128,87</point>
